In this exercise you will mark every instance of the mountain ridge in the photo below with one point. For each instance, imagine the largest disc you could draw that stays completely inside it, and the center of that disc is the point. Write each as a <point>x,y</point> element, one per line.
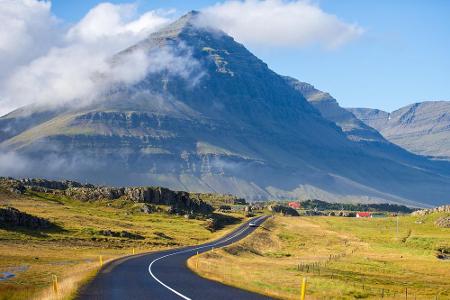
<point>422,128</point>
<point>237,128</point>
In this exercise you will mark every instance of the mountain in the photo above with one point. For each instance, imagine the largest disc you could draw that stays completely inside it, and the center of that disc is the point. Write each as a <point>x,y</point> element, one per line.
<point>329,108</point>
<point>355,129</point>
<point>211,117</point>
<point>422,128</point>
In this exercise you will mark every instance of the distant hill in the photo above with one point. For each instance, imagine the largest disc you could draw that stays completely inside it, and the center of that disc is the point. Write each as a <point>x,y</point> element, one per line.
<point>228,124</point>
<point>422,128</point>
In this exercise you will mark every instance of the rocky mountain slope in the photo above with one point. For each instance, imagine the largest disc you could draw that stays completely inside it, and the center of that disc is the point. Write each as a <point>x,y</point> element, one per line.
<point>422,128</point>
<point>221,121</point>
<point>329,108</point>
<point>355,129</point>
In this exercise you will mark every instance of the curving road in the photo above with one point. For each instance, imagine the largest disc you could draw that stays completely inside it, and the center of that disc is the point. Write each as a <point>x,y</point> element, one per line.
<point>164,275</point>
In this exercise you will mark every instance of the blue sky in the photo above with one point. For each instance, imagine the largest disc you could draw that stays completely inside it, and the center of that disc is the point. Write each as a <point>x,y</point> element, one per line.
<point>401,58</point>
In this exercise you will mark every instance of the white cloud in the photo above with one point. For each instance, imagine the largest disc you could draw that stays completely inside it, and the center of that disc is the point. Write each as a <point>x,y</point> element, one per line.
<point>43,60</point>
<point>121,22</point>
<point>45,63</point>
<point>78,75</point>
<point>28,31</point>
<point>75,73</point>
<point>279,23</point>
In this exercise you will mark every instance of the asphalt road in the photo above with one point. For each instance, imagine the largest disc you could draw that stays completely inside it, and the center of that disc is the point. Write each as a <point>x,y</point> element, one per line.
<point>164,275</point>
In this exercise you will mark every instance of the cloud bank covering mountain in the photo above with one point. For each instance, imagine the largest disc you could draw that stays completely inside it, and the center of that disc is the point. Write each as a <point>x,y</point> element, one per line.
<point>190,108</point>
<point>66,59</point>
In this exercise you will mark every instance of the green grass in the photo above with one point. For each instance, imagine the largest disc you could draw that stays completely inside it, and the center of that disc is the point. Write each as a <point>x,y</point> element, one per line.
<point>72,251</point>
<point>343,258</point>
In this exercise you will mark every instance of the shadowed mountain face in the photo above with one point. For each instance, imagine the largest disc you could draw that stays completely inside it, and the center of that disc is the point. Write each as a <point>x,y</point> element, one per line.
<point>422,128</point>
<point>215,118</point>
<point>329,108</point>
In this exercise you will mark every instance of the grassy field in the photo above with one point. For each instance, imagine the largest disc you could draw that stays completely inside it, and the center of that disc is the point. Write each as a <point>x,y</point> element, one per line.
<point>342,258</point>
<point>72,251</point>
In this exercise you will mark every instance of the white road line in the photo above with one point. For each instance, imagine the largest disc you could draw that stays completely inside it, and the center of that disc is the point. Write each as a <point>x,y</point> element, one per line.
<point>192,250</point>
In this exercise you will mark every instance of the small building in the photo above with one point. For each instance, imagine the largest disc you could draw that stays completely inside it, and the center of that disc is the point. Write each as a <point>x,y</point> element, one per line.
<point>294,205</point>
<point>364,215</point>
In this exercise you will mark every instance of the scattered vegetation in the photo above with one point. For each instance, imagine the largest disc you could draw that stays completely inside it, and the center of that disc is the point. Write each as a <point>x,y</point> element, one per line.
<point>219,199</point>
<point>81,232</point>
<point>342,258</point>
<point>375,207</point>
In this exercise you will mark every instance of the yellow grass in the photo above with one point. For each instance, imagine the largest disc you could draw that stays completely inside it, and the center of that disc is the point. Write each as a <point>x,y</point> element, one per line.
<point>66,288</point>
<point>342,258</point>
<point>72,252</point>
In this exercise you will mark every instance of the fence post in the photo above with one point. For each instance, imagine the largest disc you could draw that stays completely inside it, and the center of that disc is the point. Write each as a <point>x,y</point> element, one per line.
<point>55,283</point>
<point>100,258</point>
<point>196,261</point>
<point>303,289</point>
<point>134,251</point>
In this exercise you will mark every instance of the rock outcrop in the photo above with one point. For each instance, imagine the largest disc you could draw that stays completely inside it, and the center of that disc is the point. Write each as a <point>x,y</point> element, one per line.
<point>284,210</point>
<point>12,185</point>
<point>11,217</point>
<point>179,202</point>
<point>52,184</point>
<point>423,212</point>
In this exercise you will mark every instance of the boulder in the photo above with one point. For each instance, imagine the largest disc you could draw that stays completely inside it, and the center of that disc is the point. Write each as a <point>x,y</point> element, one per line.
<point>211,224</point>
<point>148,208</point>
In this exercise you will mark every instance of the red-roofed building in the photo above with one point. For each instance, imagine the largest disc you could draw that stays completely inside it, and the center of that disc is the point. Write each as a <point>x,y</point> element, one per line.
<point>294,205</point>
<point>364,215</point>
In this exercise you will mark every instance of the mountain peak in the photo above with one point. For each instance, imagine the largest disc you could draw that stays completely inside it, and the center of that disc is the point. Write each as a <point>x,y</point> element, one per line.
<point>211,116</point>
<point>175,28</point>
